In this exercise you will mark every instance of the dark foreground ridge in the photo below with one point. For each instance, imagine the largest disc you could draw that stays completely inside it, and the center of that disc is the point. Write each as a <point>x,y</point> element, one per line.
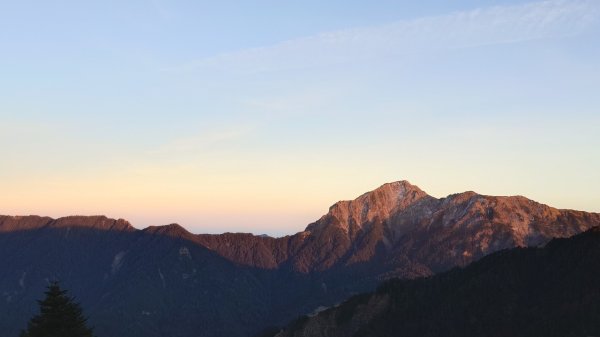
<point>528,292</point>
<point>166,281</point>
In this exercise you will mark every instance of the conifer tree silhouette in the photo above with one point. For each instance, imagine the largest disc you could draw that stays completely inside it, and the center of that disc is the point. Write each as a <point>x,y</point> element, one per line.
<point>60,316</point>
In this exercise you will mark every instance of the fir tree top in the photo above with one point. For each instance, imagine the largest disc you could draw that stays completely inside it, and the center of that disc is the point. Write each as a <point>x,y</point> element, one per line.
<point>60,316</point>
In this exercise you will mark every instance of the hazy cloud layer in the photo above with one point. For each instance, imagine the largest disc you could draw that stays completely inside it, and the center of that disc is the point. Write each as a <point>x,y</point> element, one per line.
<point>495,25</point>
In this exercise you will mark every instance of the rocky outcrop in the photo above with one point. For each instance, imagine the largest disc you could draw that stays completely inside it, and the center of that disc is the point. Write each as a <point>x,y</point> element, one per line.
<point>16,223</point>
<point>99,222</point>
<point>33,222</point>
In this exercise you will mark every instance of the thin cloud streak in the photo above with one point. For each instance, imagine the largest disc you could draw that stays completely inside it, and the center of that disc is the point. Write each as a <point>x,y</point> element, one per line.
<point>203,140</point>
<point>488,26</point>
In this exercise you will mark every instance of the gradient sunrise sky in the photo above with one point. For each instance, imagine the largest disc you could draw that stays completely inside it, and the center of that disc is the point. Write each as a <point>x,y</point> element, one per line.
<point>256,116</point>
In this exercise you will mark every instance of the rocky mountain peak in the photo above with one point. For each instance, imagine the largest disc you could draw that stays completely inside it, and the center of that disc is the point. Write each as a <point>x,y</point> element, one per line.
<point>378,204</point>
<point>173,230</point>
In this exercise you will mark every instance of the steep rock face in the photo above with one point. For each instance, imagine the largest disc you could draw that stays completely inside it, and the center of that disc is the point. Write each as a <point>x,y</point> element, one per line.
<point>352,230</point>
<point>374,206</point>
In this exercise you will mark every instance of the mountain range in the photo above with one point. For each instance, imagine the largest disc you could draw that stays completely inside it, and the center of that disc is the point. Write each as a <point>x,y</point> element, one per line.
<point>166,281</point>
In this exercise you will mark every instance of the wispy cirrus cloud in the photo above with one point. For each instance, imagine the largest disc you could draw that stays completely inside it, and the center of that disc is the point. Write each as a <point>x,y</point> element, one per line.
<point>485,26</point>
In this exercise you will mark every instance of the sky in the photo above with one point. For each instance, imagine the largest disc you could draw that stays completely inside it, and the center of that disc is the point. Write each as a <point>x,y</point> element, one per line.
<point>257,116</point>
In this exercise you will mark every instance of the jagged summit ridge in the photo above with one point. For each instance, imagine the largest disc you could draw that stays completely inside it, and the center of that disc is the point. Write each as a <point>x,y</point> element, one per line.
<point>98,222</point>
<point>377,204</point>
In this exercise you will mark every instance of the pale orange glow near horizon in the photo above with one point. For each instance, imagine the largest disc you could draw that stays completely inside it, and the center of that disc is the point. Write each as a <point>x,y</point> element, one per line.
<point>279,204</point>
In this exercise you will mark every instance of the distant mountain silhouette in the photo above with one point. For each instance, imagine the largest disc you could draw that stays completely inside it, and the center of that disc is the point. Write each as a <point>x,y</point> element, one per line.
<point>521,292</point>
<point>165,281</point>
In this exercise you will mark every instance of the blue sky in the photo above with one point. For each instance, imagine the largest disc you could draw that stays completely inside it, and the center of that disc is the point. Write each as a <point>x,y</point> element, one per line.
<point>239,116</point>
